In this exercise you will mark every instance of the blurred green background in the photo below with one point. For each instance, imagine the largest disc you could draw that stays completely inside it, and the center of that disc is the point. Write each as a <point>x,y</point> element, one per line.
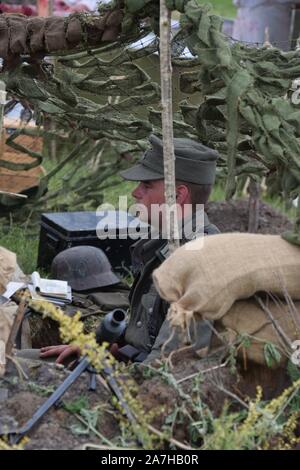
<point>222,7</point>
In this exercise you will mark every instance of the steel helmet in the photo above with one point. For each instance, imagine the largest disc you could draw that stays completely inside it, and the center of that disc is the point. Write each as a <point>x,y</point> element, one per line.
<point>84,267</point>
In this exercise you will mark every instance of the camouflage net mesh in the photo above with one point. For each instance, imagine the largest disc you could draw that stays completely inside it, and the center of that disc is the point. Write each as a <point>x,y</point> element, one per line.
<point>102,100</point>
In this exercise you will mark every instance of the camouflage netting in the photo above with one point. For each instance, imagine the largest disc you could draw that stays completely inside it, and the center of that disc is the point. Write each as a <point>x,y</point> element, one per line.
<point>245,110</point>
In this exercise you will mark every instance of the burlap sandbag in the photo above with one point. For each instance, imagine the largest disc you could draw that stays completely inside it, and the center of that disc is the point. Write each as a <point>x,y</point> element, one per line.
<point>21,35</point>
<point>8,265</point>
<point>7,314</point>
<point>74,31</point>
<point>36,33</point>
<point>206,276</point>
<point>55,34</point>
<point>248,319</point>
<point>17,35</point>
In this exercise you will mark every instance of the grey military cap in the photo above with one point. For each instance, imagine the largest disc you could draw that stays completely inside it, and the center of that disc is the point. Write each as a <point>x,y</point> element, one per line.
<point>194,162</point>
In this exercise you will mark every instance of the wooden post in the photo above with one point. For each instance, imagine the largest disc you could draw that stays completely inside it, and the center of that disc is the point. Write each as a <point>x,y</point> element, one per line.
<point>2,103</point>
<point>167,122</point>
<point>15,327</point>
<point>45,8</point>
<point>2,130</point>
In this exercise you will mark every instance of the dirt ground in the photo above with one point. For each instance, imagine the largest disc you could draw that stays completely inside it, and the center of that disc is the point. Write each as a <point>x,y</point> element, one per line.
<point>160,392</point>
<point>233,217</point>
<point>59,429</point>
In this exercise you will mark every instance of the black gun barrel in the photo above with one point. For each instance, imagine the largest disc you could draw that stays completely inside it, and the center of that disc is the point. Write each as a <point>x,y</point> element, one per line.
<point>112,326</point>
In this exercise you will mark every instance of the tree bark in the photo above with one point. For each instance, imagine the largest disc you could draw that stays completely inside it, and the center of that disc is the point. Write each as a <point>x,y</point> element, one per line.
<point>167,124</point>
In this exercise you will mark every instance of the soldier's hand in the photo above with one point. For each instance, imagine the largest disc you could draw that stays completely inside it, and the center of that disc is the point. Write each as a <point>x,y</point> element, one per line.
<point>114,350</point>
<point>64,352</point>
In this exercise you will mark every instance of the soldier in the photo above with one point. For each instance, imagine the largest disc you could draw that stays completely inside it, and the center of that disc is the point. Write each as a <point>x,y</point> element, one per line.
<point>148,329</point>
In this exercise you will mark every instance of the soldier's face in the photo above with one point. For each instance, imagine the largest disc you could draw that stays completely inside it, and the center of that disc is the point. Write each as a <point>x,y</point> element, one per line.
<point>149,194</point>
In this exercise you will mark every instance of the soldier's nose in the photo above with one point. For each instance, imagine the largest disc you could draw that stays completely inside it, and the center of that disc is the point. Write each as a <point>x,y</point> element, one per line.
<point>136,193</point>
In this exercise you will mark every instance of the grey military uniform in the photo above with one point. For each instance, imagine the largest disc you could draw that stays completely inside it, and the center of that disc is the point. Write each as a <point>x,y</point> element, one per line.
<point>148,329</point>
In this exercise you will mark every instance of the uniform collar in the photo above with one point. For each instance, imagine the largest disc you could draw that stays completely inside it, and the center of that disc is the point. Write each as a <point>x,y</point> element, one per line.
<point>189,234</point>
<point>144,249</point>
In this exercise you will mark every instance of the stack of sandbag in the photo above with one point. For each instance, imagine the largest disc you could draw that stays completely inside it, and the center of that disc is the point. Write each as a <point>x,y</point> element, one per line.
<point>22,35</point>
<point>210,278</point>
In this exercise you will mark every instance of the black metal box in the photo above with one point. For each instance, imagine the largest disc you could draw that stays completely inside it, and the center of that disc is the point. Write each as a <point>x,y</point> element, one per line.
<point>62,230</point>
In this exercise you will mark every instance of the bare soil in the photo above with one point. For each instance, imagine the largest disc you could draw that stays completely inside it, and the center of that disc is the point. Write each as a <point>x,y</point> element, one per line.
<point>22,397</point>
<point>232,216</point>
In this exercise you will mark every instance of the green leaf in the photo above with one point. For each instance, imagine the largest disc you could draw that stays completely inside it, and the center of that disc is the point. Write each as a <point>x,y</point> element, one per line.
<point>77,405</point>
<point>272,355</point>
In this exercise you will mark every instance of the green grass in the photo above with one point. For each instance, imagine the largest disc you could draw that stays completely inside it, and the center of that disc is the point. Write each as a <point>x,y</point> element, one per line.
<point>24,243</point>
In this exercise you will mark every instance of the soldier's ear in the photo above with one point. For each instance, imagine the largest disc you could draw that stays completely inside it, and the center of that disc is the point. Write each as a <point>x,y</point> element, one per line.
<point>182,194</point>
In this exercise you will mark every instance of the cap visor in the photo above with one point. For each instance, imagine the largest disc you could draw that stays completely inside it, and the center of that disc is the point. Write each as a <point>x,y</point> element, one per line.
<point>140,173</point>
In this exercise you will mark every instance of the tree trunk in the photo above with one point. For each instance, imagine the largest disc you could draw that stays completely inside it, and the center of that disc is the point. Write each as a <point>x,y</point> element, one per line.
<point>167,124</point>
